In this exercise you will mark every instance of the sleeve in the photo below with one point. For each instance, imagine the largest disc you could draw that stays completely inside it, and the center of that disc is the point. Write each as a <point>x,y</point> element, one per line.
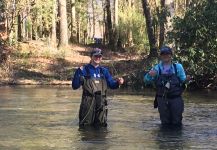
<point>76,82</point>
<point>148,79</point>
<point>112,84</point>
<point>181,72</point>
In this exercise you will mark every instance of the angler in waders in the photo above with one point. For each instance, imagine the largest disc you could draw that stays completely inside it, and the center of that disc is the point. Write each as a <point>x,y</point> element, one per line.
<point>168,78</point>
<point>94,79</point>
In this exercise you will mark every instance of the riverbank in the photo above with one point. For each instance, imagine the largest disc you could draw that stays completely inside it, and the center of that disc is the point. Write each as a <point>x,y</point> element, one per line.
<point>35,63</point>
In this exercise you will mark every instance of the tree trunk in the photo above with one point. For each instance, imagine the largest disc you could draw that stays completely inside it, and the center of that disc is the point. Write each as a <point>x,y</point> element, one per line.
<point>73,22</point>
<point>89,29</point>
<point>53,29</point>
<point>104,24</point>
<point>149,28</point>
<point>78,28</point>
<point>30,31</point>
<point>63,24</point>
<point>19,28</point>
<point>130,33</point>
<point>94,19</point>
<point>116,32</point>
<point>24,30</point>
<point>85,37</point>
<point>162,20</point>
<point>109,23</point>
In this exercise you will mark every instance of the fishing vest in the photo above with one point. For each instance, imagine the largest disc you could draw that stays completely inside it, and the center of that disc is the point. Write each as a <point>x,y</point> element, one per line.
<point>169,85</point>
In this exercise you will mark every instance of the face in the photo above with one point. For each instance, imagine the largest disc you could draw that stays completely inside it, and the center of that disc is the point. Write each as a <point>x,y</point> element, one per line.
<point>166,58</point>
<point>96,59</point>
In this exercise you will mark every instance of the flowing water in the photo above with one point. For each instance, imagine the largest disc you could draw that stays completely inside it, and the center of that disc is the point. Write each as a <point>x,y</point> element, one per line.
<point>46,118</point>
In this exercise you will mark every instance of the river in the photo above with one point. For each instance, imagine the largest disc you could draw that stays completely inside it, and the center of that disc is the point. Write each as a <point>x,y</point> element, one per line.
<point>46,118</point>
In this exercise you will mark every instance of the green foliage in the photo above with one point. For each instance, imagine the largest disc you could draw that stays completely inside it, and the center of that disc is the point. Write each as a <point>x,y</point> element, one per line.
<point>195,37</point>
<point>133,20</point>
<point>42,12</point>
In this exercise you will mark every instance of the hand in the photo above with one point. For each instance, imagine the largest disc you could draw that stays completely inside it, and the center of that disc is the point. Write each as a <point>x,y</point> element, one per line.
<point>82,80</point>
<point>120,81</point>
<point>152,73</point>
<point>188,78</point>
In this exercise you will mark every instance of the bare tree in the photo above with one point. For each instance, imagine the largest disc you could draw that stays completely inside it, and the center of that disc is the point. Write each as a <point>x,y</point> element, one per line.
<point>94,18</point>
<point>109,23</point>
<point>73,21</point>
<point>162,20</point>
<point>63,24</point>
<point>116,31</point>
<point>149,28</point>
<point>53,32</point>
<point>19,28</point>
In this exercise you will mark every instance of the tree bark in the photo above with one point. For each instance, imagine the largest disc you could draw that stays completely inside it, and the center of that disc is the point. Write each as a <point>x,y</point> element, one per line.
<point>104,24</point>
<point>162,23</point>
<point>19,28</point>
<point>109,23</point>
<point>89,29</point>
<point>63,24</point>
<point>73,22</point>
<point>53,29</point>
<point>130,32</point>
<point>116,32</point>
<point>149,28</point>
<point>78,28</point>
<point>94,19</point>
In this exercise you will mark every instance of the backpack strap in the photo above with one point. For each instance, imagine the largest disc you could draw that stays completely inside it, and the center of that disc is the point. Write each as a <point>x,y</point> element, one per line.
<point>159,70</point>
<point>175,67</point>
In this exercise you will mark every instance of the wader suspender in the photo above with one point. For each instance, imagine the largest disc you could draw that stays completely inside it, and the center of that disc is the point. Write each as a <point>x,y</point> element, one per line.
<point>88,76</point>
<point>160,72</point>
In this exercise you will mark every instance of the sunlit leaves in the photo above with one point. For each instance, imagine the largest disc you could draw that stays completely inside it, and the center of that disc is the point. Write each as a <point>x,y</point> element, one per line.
<point>196,34</point>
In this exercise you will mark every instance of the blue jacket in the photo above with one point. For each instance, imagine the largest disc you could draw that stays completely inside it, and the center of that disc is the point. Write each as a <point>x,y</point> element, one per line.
<point>95,73</point>
<point>180,73</point>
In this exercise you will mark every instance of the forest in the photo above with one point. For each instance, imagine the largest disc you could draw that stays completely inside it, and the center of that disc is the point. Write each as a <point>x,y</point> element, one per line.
<point>45,40</point>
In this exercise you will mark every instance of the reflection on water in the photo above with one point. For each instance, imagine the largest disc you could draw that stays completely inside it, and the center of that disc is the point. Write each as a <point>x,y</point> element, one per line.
<point>45,118</point>
<point>170,137</point>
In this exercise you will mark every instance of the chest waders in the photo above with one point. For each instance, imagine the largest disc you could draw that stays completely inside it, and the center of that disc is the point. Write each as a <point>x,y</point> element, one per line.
<point>93,108</point>
<point>168,97</point>
<point>168,85</point>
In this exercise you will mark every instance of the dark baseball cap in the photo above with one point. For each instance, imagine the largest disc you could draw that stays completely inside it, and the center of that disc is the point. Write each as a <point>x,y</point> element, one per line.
<point>96,52</point>
<point>166,50</point>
